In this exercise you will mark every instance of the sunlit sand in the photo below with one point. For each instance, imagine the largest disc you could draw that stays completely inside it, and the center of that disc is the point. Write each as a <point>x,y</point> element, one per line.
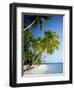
<point>52,68</point>
<point>36,69</point>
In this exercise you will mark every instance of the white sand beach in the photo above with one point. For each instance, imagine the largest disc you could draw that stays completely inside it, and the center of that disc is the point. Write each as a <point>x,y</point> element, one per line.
<point>51,68</point>
<point>37,69</point>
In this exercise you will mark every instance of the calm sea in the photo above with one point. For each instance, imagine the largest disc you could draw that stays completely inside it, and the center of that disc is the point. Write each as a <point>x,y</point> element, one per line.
<point>53,68</point>
<point>49,68</point>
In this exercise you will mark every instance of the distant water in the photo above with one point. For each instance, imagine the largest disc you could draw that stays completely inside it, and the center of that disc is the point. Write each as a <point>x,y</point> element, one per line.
<point>54,68</point>
<point>49,68</point>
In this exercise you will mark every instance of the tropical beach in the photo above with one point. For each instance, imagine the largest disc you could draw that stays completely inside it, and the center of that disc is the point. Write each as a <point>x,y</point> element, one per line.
<point>42,44</point>
<point>52,68</point>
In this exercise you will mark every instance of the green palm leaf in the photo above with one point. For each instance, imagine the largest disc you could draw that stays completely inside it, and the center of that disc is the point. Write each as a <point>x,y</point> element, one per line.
<point>41,21</point>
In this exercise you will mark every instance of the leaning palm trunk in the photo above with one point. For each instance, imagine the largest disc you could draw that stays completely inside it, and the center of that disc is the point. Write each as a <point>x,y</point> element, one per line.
<point>36,58</point>
<point>30,24</point>
<point>31,66</point>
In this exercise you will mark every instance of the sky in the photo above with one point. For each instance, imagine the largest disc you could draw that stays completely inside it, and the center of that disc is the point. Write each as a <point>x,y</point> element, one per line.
<point>56,25</point>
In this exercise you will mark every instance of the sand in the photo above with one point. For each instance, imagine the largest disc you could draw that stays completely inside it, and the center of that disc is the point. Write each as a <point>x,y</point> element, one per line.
<point>37,69</point>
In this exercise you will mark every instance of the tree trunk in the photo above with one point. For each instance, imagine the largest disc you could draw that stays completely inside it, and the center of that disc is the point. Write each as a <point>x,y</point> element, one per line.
<point>30,24</point>
<point>39,54</point>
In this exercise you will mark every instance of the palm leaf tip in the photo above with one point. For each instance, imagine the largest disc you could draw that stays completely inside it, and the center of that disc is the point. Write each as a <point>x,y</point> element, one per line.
<point>47,17</point>
<point>55,35</point>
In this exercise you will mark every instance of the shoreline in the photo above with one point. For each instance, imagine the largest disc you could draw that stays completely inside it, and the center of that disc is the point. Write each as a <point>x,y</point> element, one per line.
<point>35,69</point>
<point>44,69</point>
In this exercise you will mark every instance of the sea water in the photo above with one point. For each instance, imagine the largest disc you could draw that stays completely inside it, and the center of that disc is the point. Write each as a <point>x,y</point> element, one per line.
<point>53,68</point>
<point>49,68</point>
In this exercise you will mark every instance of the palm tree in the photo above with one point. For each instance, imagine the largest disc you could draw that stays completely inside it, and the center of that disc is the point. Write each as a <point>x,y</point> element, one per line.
<point>51,40</point>
<point>27,44</point>
<point>35,46</point>
<point>32,21</point>
<point>29,56</point>
<point>48,43</point>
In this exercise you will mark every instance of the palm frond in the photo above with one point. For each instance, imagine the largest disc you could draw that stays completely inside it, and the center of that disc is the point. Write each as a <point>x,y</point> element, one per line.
<point>41,21</point>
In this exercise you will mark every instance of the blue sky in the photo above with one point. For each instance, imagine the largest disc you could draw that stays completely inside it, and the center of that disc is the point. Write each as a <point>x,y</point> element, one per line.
<point>56,25</point>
